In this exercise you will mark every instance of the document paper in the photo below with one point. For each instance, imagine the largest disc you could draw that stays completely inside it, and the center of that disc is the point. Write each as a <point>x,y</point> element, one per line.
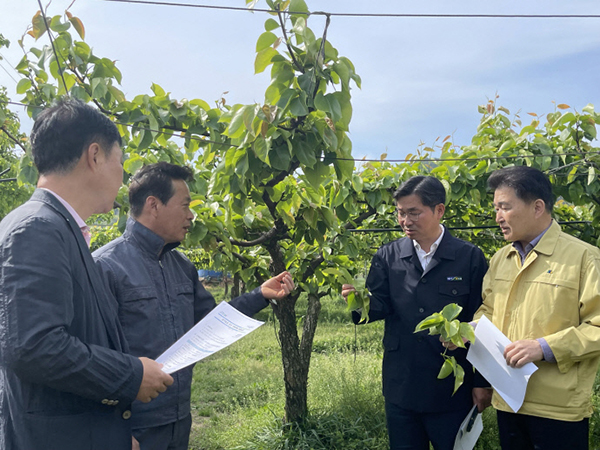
<point>486,355</point>
<point>221,327</point>
<point>469,431</point>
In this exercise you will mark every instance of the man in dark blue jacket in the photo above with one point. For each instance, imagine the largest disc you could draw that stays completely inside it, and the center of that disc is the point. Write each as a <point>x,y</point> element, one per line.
<point>160,296</point>
<point>410,279</point>
<point>65,381</point>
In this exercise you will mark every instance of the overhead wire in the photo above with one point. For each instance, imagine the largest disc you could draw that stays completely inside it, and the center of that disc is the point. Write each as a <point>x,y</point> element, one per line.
<point>327,14</point>
<point>383,15</point>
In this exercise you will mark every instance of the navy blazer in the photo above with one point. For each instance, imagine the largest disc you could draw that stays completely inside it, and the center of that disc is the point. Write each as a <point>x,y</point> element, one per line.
<point>65,382</point>
<point>403,294</point>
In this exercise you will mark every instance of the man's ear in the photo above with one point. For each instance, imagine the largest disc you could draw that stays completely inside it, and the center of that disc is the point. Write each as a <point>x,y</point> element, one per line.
<point>151,205</point>
<point>440,209</point>
<point>92,155</point>
<point>539,207</point>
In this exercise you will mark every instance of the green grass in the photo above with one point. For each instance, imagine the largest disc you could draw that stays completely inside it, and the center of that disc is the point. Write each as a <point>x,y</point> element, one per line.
<point>238,393</point>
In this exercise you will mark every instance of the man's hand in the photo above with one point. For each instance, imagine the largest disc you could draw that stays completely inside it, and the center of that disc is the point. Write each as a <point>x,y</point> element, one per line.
<point>135,445</point>
<point>154,380</point>
<point>278,287</point>
<point>482,398</point>
<point>519,353</point>
<point>346,289</point>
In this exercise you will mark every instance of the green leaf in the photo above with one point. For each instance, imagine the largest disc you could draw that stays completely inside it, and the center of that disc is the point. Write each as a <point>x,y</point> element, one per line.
<point>305,152</point>
<point>27,173</point>
<point>429,322</point>
<point>589,130</point>
<point>451,311</point>
<point>588,109</point>
<point>298,107</point>
<point>591,175</point>
<point>459,376</point>
<point>248,219</point>
<point>235,129</point>
<point>271,24</point>
<point>285,98</point>
<point>23,85</point>
<point>280,158</point>
<point>57,26</point>
<point>158,91</point>
<point>467,332</point>
<point>263,59</point>
<point>261,149</point>
<point>201,103</point>
<point>446,369</point>
<point>316,174</point>
<point>329,103</point>
<point>265,41</point>
<point>298,6</point>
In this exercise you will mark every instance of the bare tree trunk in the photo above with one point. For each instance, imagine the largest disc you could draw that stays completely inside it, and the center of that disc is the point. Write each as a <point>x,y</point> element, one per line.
<point>295,353</point>
<point>235,286</point>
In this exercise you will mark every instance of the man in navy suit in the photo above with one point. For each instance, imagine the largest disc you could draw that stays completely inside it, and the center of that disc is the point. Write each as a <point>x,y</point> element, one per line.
<point>65,381</point>
<point>410,279</point>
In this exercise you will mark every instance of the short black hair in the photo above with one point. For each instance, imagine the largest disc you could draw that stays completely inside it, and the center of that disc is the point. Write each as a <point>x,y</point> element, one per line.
<point>429,189</point>
<point>529,184</point>
<point>155,180</point>
<point>62,132</point>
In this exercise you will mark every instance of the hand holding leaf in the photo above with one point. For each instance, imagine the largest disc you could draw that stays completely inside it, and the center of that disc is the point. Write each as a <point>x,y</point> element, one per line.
<point>446,324</point>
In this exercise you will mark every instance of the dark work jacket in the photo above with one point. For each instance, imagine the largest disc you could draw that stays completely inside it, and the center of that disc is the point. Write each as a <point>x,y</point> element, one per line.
<point>159,299</point>
<point>403,295</point>
<point>64,382</point>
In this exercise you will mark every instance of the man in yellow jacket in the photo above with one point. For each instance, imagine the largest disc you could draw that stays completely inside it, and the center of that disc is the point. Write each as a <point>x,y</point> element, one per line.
<point>543,293</point>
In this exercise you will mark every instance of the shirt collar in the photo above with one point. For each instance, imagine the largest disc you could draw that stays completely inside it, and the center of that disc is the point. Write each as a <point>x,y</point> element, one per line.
<point>434,246</point>
<point>147,239</point>
<point>525,251</point>
<point>78,220</point>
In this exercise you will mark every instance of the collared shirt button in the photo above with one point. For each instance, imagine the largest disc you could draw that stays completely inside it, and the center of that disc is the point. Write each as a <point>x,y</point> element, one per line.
<point>421,310</point>
<point>423,280</point>
<point>126,414</point>
<point>105,401</point>
<point>454,291</point>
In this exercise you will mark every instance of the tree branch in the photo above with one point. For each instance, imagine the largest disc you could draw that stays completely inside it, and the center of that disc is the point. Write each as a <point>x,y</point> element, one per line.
<point>283,175</point>
<point>360,219</point>
<point>285,37</point>
<point>265,237</point>
<point>12,138</point>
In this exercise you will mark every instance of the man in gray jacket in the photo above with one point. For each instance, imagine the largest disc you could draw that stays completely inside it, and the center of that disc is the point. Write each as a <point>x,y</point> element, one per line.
<point>65,381</point>
<point>160,296</point>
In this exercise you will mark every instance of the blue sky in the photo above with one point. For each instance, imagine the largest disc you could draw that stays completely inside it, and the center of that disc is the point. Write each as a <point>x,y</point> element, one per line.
<point>421,78</point>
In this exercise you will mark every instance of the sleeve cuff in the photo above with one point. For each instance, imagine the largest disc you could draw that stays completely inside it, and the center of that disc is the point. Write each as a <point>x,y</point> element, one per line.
<point>548,354</point>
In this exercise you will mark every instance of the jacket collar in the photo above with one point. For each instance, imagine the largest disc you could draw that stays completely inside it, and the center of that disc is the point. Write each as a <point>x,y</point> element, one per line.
<point>547,243</point>
<point>146,239</point>
<point>44,196</point>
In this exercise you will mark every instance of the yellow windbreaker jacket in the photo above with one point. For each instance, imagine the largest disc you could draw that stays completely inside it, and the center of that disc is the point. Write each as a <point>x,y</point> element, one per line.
<point>554,294</point>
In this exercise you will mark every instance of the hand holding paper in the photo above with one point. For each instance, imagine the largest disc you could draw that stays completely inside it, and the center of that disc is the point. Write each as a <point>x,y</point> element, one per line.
<point>221,327</point>
<point>487,356</point>
<point>519,353</point>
